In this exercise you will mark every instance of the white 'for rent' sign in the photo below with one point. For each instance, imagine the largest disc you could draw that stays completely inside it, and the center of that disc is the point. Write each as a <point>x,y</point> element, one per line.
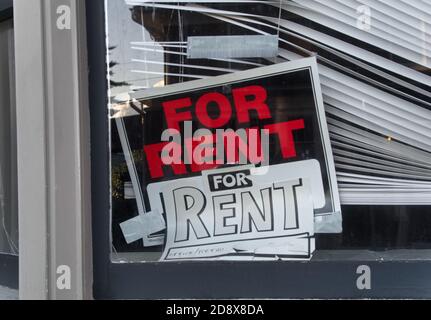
<point>242,213</point>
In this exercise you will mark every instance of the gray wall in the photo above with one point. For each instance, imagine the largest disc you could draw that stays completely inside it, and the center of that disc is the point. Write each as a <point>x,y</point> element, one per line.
<point>53,147</point>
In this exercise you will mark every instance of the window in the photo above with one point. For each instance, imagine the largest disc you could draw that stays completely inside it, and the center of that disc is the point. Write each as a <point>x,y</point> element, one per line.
<point>8,161</point>
<point>8,174</point>
<point>373,62</point>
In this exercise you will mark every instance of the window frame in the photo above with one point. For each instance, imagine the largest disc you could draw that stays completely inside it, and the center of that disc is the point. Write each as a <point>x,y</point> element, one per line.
<point>332,274</point>
<point>6,10</point>
<point>8,263</point>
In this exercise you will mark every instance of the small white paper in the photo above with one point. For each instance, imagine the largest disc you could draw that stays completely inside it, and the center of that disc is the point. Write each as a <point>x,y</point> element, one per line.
<point>132,230</point>
<point>142,226</point>
<point>154,241</point>
<point>152,222</point>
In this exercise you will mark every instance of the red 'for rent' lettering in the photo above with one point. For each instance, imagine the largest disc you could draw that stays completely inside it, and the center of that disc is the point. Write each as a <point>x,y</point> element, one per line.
<point>283,132</point>
<point>246,100</point>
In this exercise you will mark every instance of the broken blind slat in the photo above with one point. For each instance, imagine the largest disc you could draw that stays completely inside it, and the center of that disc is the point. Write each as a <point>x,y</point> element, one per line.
<point>344,19</point>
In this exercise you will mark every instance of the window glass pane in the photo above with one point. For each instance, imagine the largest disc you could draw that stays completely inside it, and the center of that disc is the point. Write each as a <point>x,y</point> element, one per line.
<point>374,73</point>
<point>8,178</point>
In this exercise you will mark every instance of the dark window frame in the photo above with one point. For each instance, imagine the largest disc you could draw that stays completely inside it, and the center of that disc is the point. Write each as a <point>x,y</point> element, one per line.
<point>8,263</point>
<point>331,275</point>
<point>6,10</point>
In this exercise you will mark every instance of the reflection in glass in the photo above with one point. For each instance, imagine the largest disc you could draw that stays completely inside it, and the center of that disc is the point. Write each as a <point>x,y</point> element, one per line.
<point>376,87</point>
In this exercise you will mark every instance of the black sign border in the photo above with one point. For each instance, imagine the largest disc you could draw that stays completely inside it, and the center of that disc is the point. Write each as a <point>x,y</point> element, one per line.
<point>309,64</point>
